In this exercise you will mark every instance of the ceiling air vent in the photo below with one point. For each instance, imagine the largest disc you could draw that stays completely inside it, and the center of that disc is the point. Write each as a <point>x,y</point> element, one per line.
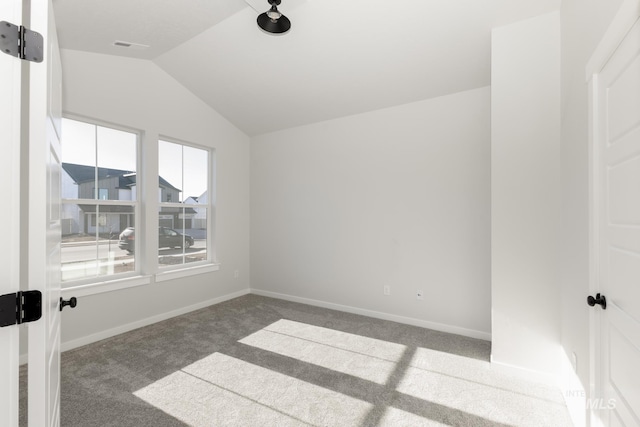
<point>130,45</point>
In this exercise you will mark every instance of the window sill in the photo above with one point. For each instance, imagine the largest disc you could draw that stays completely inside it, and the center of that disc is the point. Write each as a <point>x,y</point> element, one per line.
<point>186,272</point>
<point>100,287</point>
<point>105,286</point>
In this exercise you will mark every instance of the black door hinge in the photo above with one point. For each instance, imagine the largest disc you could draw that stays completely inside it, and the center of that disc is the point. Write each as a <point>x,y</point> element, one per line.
<point>20,307</point>
<point>21,42</point>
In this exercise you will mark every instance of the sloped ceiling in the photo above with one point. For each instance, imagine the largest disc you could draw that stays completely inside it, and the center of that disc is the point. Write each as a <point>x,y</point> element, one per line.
<point>340,57</point>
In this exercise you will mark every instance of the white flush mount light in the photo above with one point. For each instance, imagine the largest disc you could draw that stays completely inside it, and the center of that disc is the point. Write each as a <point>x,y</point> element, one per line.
<point>130,45</point>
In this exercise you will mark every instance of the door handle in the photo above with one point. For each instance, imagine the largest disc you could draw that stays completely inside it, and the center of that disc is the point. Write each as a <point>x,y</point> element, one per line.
<point>71,303</point>
<point>599,299</point>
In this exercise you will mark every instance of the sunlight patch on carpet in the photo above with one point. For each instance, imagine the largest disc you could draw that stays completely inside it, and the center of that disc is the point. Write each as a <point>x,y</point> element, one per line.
<point>380,349</point>
<point>221,390</point>
<point>482,372</point>
<point>198,403</point>
<point>472,387</point>
<point>398,417</point>
<point>418,386</point>
<point>346,355</point>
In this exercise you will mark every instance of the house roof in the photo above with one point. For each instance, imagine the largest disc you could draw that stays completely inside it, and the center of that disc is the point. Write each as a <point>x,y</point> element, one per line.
<point>126,179</point>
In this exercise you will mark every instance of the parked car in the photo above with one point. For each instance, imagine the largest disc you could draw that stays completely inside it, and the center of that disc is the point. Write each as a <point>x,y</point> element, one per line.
<point>167,238</point>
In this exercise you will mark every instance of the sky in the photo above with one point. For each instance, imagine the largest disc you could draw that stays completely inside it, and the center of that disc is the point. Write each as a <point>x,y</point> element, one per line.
<point>116,149</point>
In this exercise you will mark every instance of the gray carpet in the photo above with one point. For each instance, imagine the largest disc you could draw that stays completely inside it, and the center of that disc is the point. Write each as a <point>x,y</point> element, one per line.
<point>256,361</point>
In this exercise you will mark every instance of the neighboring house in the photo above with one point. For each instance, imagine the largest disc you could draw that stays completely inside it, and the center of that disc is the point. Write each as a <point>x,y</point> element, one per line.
<point>199,220</point>
<point>79,182</point>
<point>191,200</point>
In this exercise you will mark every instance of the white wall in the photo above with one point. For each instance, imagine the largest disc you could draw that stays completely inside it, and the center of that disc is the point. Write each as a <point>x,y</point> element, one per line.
<point>583,25</point>
<point>396,197</point>
<point>138,94</point>
<point>525,207</point>
<point>344,207</point>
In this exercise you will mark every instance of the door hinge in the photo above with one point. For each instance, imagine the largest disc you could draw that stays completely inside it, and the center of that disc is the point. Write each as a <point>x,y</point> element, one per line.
<point>21,42</point>
<point>20,307</point>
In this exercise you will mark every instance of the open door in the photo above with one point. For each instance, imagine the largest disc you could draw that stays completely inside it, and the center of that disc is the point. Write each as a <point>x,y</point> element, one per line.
<point>30,118</point>
<point>616,137</point>
<point>10,70</point>
<point>45,106</point>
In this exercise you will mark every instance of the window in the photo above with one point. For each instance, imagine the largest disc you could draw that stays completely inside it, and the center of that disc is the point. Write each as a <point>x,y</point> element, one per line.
<point>183,218</point>
<point>103,193</point>
<point>99,200</point>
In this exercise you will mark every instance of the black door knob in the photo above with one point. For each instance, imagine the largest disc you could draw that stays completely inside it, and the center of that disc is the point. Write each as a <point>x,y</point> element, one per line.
<point>71,303</point>
<point>599,299</point>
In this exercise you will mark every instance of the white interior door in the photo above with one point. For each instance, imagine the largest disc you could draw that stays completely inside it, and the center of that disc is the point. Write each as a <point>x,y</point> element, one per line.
<point>44,221</point>
<point>617,139</point>
<point>10,67</point>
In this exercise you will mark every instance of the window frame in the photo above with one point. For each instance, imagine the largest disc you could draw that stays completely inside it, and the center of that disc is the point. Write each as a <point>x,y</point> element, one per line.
<point>210,263</point>
<point>147,271</point>
<point>98,280</point>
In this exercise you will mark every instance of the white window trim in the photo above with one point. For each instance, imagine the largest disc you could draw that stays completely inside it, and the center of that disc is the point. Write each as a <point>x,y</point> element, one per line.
<point>147,272</point>
<point>116,284</point>
<point>211,193</point>
<point>99,287</point>
<point>192,270</point>
<point>98,281</point>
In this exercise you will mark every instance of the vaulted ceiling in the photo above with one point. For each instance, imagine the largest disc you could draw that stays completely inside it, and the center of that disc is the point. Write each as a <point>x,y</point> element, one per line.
<point>341,57</point>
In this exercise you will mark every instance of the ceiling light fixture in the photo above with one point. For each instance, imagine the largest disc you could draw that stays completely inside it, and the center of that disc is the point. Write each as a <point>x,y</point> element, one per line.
<point>272,21</point>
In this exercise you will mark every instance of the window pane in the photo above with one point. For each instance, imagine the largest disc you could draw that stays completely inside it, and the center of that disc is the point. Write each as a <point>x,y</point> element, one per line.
<point>171,238</point>
<point>90,241</point>
<point>115,153</point>
<point>79,143</point>
<point>117,255</point>
<point>116,164</point>
<point>197,230</point>
<point>170,171</point>
<point>184,179</point>
<point>196,167</point>
<point>78,159</point>
<point>182,236</point>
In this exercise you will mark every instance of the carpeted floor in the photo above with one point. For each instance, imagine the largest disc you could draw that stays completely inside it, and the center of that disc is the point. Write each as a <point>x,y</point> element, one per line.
<point>256,361</point>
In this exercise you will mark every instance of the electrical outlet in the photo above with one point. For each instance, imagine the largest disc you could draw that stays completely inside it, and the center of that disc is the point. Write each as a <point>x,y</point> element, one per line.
<point>387,290</point>
<point>419,294</point>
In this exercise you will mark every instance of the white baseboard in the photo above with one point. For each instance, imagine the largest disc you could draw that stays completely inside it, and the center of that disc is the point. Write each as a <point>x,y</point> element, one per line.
<point>89,339</point>
<point>79,342</point>
<point>526,373</point>
<point>379,315</point>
